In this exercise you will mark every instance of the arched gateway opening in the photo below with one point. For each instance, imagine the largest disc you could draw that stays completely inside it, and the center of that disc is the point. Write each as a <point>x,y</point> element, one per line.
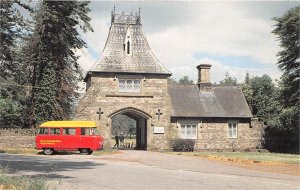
<point>131,124</point>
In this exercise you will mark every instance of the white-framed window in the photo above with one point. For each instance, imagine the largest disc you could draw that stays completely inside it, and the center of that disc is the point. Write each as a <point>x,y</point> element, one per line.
<point>232,129</point>
<point>188,131</point>
<point>130,85</point>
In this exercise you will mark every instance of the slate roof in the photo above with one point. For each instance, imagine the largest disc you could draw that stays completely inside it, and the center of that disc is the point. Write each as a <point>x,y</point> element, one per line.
<point>220,101</point>
<point>124,29</point>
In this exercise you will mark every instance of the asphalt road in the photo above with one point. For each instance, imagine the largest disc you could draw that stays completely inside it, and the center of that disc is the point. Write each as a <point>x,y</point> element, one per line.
<point>142,170</point>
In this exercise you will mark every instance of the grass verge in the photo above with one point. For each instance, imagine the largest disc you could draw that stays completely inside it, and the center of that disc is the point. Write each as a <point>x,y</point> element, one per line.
<point>32,151</point>
<point>18,150</point>
<point>21,183</point>
<point>247,156</point>
<point>105,152</point>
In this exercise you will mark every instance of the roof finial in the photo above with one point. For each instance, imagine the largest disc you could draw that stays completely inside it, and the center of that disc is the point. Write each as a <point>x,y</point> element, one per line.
<point>139,10</point>
<point>138,18</point>
<point>113,15</point>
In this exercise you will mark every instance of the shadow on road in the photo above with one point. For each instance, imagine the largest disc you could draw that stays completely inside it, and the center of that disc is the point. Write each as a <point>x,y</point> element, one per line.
<point>42,166</point>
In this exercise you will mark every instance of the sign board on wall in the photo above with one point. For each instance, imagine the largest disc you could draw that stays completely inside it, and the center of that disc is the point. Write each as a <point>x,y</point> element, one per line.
<point>159,130</point>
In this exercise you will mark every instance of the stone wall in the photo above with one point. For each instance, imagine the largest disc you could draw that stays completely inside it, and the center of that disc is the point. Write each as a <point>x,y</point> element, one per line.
<point>212,134</point>
<point>103,93</point>
<point>17,138</point>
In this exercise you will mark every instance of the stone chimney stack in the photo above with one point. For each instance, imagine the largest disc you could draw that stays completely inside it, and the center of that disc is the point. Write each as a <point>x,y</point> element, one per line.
<point>203,75</point>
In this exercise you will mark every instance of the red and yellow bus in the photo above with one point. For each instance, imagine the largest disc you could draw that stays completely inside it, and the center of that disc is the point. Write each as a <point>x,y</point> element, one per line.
<point>68,136</point>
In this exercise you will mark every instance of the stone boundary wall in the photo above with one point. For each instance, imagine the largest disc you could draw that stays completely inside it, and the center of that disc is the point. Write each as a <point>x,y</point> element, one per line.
<point>17,138</point>
<point>17,132</point>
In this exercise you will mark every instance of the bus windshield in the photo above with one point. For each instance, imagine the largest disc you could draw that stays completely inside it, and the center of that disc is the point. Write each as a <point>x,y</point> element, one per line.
<point>96,132</point>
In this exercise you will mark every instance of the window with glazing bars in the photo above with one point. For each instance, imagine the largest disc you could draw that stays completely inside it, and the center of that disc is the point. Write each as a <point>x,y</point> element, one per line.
<point>130,85</point>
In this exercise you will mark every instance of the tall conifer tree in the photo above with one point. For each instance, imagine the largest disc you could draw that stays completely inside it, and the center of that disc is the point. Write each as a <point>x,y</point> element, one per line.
<point>12,99</point>
<point>288,33</point>
<point>52,58</point>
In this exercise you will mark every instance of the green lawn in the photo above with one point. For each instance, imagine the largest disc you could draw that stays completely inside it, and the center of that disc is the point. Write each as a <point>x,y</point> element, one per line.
<point>252,156</point>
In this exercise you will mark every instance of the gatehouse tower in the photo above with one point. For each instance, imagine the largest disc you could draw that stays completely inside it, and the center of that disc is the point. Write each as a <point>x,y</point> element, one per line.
<point>128,79</point>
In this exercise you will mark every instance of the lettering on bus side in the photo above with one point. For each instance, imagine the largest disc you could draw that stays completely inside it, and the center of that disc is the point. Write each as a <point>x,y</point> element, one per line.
<point>49,141</point>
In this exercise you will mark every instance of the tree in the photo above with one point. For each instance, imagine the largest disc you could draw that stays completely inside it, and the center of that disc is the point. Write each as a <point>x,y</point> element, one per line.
<point>287,31</point>
<point>12,98</point>
<point>51,57</point>
<point>172,81</point>
<point>263,97</point>
<point>131,130</point>
<point>123,124</point>
<point>185,80</point>
<point>247,90</point>
<point>228,80</point>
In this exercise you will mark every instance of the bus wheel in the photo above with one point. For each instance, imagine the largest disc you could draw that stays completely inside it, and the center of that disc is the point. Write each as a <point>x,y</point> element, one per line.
<point>48,151</point>
<point>85,151</point>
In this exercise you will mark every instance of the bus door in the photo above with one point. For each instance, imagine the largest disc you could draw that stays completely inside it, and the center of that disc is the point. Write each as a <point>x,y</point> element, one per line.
<point>70,138</point>
<point>86,137</point>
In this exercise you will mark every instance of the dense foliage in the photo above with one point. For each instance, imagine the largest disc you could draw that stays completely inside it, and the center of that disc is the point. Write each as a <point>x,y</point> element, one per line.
<point>287,30</point>
<point>38,65</point>
<point>12,98</point>
<point>183,80</point>
<point>287,120</point>
<point>228,80</point>
<point>122,124</point>
<point>182,145</point>
<point>51,57</point>
<point>278,105</point>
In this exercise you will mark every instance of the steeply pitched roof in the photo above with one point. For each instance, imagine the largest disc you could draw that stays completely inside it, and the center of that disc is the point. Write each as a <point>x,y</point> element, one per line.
<point>219,101</point>
<point>127,50</point>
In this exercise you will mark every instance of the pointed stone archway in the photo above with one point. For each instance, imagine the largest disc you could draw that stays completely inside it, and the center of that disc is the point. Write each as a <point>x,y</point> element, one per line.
<point>142,125</point>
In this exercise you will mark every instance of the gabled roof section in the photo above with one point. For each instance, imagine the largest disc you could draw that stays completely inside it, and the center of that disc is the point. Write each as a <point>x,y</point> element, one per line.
<point>219,101</point>
<point>126,49</point>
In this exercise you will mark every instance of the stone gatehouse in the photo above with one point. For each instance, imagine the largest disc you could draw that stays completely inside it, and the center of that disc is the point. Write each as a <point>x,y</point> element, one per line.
<point>128,79</point>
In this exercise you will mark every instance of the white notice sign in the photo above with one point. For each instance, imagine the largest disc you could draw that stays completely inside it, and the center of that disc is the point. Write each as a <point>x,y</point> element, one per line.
<point>159,130</point>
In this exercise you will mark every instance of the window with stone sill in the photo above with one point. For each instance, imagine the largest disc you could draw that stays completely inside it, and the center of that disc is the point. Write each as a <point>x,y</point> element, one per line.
<point>188,131</point>
<point>130,85</point>
<point>232,129</point>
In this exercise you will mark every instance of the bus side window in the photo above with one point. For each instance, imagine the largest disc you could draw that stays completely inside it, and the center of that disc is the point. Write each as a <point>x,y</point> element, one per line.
<point>96,132</point>
<point>43,131</point>
<point>85,131</point>
<point>54,131</point>
<point>69,131</point>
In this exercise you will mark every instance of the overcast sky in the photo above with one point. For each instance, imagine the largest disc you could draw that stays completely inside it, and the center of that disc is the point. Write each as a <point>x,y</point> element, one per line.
<point>234,37</point>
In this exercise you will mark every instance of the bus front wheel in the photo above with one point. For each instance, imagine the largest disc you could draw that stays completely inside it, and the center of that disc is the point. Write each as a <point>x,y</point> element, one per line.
<point>48,151</point>
<point>85,151</point>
